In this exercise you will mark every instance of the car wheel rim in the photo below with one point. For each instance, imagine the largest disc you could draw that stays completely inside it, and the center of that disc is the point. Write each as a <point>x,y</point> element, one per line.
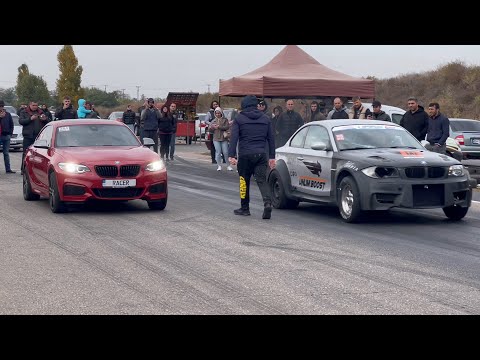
<point>276,190</point>
<point>347,200</point>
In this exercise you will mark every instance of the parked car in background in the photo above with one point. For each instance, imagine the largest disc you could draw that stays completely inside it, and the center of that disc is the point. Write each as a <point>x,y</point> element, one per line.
<point>116,115</point>
<point>74,161</point>
<point>466,133</point>
<point>200,126</point>
<point>394,112</point>
<point>361,165</point>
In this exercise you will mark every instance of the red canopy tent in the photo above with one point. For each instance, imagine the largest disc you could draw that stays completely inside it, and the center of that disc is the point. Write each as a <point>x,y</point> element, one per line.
<point>294,73</point>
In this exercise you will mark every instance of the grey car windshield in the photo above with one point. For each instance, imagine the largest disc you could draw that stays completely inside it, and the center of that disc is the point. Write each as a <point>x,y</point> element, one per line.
<point>95,135</point>
<point>353,137</point>
<point>459,125</point>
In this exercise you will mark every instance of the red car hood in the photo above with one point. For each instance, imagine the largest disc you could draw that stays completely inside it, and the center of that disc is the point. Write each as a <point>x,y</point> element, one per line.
<point>124,154</point>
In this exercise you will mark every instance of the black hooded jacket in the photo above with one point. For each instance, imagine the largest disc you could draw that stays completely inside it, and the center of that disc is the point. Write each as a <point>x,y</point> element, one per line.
<point>251,129</point>
<point>416,123</point>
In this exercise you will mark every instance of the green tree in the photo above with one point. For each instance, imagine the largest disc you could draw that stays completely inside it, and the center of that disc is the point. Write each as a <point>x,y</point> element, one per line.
<point>102,98</point>
<point>68,84</point>
<point>8,95</point>
<point>31,87</point>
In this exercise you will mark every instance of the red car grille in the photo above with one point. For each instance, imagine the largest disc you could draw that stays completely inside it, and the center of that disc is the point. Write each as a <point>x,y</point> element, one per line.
<point>118,193</point>
<point>112,170</point>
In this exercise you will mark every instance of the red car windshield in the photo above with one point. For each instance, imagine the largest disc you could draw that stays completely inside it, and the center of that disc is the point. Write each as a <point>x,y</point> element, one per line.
<point>94,135</point>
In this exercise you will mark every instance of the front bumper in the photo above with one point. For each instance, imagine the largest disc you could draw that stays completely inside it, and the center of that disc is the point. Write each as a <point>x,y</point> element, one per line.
<point>79,188</point>
<point>382,194</point>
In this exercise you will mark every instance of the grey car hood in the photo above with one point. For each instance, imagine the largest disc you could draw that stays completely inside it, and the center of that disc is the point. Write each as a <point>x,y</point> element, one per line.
<point>398,157</point>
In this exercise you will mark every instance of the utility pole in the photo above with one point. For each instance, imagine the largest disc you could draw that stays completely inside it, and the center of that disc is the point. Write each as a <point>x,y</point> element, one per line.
<point>138,91</point>
<point>208,87</point>
<point>123,94</point>
<point>105,87</point>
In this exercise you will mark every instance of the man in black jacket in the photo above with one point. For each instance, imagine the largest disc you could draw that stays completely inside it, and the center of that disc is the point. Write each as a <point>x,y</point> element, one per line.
<point>6,131</point>
<point>251,130</point>
<point>33,120</point>
<point>438,129</point>
<point>66,111</point>
<point>128,117</point>
<point>415,120</point>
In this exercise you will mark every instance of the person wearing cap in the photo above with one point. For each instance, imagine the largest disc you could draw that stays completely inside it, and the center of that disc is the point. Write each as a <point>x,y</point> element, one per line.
<point>251,130</point>
<point>263,107</point>
<point>378,114</point>
<point>150,118</point>
<point>6,131</point>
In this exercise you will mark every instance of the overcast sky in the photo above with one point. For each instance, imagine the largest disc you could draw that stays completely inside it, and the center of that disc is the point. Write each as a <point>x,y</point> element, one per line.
<point>158,69</point>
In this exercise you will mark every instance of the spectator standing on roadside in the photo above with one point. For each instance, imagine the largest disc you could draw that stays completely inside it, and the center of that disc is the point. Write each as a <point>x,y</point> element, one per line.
<point>263,107</point>
<point>208,118</point>
<point>94,113</point>
<point>415,120</point>
<point>277,111</point>
<point>165,130</point>
<point>438,129</point>
<point>378,114</point>
<point>287,123</point>
<point>139,120</point>
<point>251,129</point>
<point>173,138</point>
<point>339,111</point>
<point>150,118</point>
<point>33,120</point>
<point>82,112</point>
<point>47,112</point>
<point>358,110</point>
<point>315,113</point>
<point>66,111</point>
<point>217,128</point>
<point>6,132</point>
<point>128,117</point>
<point>21,108</point>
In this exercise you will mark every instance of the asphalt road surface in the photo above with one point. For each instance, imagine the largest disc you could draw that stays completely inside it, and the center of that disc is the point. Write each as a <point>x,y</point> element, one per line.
<point>197,257</point>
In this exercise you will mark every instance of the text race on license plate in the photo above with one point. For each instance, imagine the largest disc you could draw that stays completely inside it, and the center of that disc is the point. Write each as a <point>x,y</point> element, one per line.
<point>119,183</point>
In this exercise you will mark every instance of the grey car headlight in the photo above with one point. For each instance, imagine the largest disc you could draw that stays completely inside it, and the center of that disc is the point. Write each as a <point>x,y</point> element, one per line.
<point>455,170</point>
<point>155,166</point>
<point>73,168</point>
<point>380,172</point>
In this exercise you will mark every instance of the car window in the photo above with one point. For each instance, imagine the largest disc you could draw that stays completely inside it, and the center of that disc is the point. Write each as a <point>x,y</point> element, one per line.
<point>15,119</point>
<point>349,137</point>
<point>10,109</point>
<point>396,118</point>
<point>299,138</point>
<point>46,134</point>
<point>94,135</point>
<point>316,133</point>
<point>459,125</point>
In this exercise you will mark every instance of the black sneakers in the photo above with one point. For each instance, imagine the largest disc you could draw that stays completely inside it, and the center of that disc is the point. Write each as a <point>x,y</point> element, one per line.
<point>267,211</point>
<point>241,211</point>
<point>10,172</point>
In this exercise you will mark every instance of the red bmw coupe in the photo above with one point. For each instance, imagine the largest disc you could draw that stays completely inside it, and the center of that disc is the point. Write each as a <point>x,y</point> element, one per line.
<point>73,161</point>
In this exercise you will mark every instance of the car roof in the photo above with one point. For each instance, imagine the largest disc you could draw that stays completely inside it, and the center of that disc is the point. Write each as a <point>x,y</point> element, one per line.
<point>68,122</point>
<point>339,122</point>
<point>386,107</point>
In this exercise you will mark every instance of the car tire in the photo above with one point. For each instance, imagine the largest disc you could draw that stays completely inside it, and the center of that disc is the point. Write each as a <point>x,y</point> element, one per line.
<point>348,200</point>
<point>277,193</point>
<point>455,212</point>
<point>56,205</point>
<point>157,205</point>
<point>28,193</point>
